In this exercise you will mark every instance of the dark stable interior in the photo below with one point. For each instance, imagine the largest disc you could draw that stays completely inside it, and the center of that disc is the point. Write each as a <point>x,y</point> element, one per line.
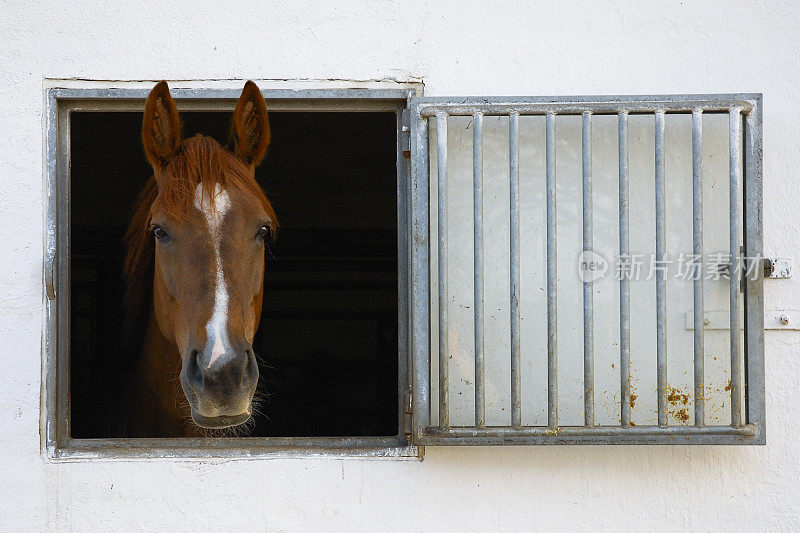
<point>327,342</point>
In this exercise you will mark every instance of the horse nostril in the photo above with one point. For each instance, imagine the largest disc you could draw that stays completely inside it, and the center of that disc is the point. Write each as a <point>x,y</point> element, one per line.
<point>194,373</point>
<point>251,367</point>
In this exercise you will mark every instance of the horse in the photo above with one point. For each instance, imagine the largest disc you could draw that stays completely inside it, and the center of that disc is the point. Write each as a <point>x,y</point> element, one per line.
<point>194,271</point>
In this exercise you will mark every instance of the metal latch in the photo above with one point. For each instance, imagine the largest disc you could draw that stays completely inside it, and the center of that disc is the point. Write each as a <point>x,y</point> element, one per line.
<point>778,268</point>
<point>407,414</point>
<point>405,133</point>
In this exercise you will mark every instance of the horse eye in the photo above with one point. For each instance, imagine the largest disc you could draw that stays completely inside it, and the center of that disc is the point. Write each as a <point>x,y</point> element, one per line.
<point>263,232</point>
<point>160,233</point>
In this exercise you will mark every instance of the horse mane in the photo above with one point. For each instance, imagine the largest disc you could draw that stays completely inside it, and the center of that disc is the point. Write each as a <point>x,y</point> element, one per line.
<point>199,159</point>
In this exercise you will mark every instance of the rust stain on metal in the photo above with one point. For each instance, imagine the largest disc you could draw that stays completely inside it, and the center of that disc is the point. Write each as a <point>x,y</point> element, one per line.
<point>677,404</point>
<point>675,396</point>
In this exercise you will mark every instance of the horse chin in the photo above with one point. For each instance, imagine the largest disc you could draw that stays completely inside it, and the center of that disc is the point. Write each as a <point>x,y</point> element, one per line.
<point>219,422</point>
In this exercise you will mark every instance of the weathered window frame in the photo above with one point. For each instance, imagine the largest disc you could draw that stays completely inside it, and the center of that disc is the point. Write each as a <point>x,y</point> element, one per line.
<point>56,440</point>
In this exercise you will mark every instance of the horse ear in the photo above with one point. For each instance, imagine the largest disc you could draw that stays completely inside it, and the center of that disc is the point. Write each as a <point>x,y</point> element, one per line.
<point>250,129</point>
<point>161,128</point>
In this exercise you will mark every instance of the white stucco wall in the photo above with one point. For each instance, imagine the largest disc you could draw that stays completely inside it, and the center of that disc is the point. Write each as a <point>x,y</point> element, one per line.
<point>465,48</point>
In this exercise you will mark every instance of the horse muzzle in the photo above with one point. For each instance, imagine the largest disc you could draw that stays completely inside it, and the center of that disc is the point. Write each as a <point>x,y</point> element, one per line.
<point>220,390</point>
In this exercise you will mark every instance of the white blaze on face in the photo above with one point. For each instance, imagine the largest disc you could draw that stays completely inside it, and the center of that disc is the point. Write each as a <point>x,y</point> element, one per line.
<point>214,212</point>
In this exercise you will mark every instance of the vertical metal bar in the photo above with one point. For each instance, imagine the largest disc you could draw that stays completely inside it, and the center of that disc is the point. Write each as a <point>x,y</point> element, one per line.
<point>513,163</point>
<point>420,278</point>
<point>552,336</point>
<point>63,271</point>
<point>477,179</point>
<point>404,369</point>
<point>754,294</point>
<point>697,251</point>
<point>49,390</point>
<point>444,351</point>
<point>735,266</point>
<point>624,282</point>
<point>661,301</point>
<point>588,301</point>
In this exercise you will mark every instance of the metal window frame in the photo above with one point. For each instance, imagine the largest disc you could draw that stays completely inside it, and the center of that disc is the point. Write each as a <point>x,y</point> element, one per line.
<point>57,444</point>
<point>752,430</point>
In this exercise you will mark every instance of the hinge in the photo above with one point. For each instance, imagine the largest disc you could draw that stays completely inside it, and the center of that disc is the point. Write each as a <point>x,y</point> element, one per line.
<point>745,270</point>
<point>407,414</point>
<point>49,276</point>
<point>405,133</point>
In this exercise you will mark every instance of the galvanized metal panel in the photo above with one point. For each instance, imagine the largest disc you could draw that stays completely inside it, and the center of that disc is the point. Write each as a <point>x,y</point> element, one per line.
<point>748,431</point>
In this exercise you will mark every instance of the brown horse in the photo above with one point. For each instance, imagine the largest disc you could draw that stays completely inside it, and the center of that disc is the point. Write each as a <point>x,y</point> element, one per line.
<point>195,271</point>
